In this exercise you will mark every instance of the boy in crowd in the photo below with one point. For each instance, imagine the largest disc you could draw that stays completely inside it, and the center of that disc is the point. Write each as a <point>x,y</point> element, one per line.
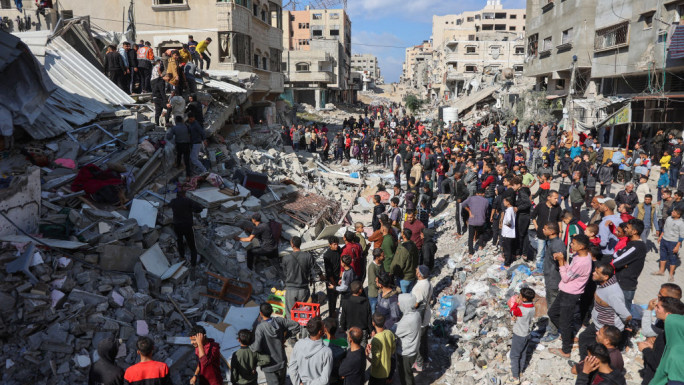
<point>523,314</point>
<point>244,362</point>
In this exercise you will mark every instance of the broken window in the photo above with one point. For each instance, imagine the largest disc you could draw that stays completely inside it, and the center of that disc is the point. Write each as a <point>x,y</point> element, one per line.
<point>317,16</point>
<point>264,63</point>
<point>548,44</point>
<point>648,20</point>
<point>500,15</point>
<point>470,68</point>
<point>611,37</point>
<point>459,21</point>
<point>471,49</point>
<point>471,37</point>
<point>500,27</point>
<point>533,45</point>
<point>334,16</point>
<point>255,61</point>
<point>471,19</point>
<point>488,16</point>
<point>317,32</point>
<point>5,4</point>
<point>518,68</point>
<point>519,50</point>
<point>566,36</point>
<point>560,84</point>
<point>276,56</point>
<point>334,32</point>
<point>302,67</point>
<point>487,27</point>
<point>234,47</point>
<point>511,28</point>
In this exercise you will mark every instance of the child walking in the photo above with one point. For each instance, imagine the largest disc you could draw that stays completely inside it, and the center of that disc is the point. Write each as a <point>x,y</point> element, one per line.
<point>523,314</point>
<point>508,231</point>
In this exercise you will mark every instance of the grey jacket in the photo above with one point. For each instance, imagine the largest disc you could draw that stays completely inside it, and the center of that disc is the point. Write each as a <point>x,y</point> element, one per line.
<point>407,329</point>
<point>605,174</point>
<point>268,339</point>
<point>297,267</point>
<point>311,363</point>
<point>613,296</point>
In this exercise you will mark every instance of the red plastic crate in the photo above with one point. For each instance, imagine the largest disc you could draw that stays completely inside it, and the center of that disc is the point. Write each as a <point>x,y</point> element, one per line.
<point>302,312</point>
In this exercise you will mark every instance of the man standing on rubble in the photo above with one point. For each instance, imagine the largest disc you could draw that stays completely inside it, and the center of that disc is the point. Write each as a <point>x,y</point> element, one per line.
<point>183,208</point>
<point>208,371</point>
<point>114,66</point>
<point>145,62</point>
<point>298,267</point>
<point>180,134</point>
<point>269,335</point>
<point>267,244</point>
<point>198,138</point>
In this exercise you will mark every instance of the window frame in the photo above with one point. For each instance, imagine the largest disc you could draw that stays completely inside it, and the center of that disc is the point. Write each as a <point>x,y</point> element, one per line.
<point>600,37</point>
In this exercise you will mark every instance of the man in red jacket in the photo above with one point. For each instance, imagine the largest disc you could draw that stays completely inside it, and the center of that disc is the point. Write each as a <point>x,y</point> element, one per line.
<point>353,249</point>
<point>208,352</point>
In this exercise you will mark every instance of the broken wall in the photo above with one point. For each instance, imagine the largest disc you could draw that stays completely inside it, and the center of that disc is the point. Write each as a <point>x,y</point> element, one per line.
<point>21,203</point>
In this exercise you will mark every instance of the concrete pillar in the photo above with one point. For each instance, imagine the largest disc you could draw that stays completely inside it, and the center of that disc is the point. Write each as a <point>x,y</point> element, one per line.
<point>317,94</point>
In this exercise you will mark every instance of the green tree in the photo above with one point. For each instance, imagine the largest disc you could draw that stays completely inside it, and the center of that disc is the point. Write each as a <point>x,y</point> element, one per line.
<point>413,103</point>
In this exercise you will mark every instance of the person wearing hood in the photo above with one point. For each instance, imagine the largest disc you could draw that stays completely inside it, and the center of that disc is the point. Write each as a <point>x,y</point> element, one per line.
<point>268,339</point>
<point>106,371</point>
<point>356,310</point>
<point>422,290</point>
<point>670,370</point>
<point>429,248</point>
<point>388,300</point>
<point>407,331</point>
<point>208,353</point>
<point>405,261</point>
<point>311,362</point>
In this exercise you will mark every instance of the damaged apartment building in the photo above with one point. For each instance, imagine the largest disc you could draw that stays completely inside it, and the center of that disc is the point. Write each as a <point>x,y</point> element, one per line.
<point>617,67</point>
<point>246,38</point>
<point>317,57</point>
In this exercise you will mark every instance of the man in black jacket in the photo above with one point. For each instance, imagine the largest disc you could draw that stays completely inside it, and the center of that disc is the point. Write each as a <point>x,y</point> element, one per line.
<point>132,70</point>
<point>378,209</point>
<point>460,194</point>
<point>522,215</point>
<point>542,214</point>
<point>114,67</point>
<point>629,261</point>
<point>106,371</point>
<point>331,265</point>
<point>183,208</point>
<point>356,310</point>
<point>627,196</point>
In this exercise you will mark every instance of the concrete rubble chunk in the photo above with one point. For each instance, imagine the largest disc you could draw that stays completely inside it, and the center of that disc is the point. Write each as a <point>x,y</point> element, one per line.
<point>77,295</point>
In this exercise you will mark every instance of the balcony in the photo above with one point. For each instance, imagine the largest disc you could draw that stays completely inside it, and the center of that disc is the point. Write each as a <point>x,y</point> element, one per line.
<point>311,77</point>
<point>268,81</point>
<point>451,57</point>
<point>454,76</point>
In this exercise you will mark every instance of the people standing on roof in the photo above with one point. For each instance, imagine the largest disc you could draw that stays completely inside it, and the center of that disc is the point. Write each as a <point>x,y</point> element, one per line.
<point>146,61</point>
<point>114,67</point>
<point>202,49</point>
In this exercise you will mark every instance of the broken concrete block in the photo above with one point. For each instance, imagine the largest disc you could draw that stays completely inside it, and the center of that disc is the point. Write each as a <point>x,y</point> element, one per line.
<point>251,204</point>
<point>22,263</point>
<point>227,232</point>
<point>82,361</point>
<point>140,279</point>
<point>119,258</point>
<point>117,298</point>
<point>141,328</point>
<point>144,212</point>
<point>77,295</point>
<point>130,127</point>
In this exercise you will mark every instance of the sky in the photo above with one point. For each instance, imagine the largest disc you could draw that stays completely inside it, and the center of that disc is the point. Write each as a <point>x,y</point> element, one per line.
<point>385,28</point>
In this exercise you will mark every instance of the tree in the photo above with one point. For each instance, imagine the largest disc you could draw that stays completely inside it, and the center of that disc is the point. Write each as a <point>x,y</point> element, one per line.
<point>413,103</point>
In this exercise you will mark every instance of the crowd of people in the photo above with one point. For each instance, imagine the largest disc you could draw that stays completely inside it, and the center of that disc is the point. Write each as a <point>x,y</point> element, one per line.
<point>589,247</point>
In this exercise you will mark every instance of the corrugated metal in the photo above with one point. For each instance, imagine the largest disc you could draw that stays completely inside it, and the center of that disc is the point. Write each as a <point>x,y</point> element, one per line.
<point>225,87</point>
<point>83,92</point>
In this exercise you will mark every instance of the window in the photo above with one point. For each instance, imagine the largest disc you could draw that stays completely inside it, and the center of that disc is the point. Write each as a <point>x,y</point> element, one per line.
<point>334,16</point>
<point>471,50</point>
<point>303,25</point>
<point>283,65</point>
<point>547,44</point>
<point>302,67</point>
<point>334,32</point>
<point>477,17</point>
<point>317,32</point>
<point>255,9</point>
<point>317,16</point>
<point>566,36</point>
<point>662,37</point>
<point>263,16</point>
<point>511,28</point>
<point>648,20</point>
<point>255,62</point>
<point>159,2</point>
<point>560,84</point>
<point>488,16</point>
<point>234,47</point>
<point>470,19</point>
<point>533,45</point>
<point>513,16</point>
<point>264,63</point>
<point>303,41</point>
<point>471,37</point>
<point>611,37</point>
<point>5,4</point>
<point>519,50</point>
<point>292,18</point>
<point>500,27</point>
<point>487,27</point>
<point>518,68</point>
<point>459,21</point>
<point>471,68</point>
<point>500,15</point>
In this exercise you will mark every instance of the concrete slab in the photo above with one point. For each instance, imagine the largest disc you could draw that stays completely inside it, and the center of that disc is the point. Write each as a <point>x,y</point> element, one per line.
<point>57,243</point>
<point>145,212</point>
<point>88,298</point>
<point>119,258</point>
<point>328,231</point>
<point>155,261</point>
<point>209,197</point>
<point>242,317</point>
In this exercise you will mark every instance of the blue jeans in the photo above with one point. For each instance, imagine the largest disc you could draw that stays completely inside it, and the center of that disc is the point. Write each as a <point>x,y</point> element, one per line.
<point>373,303</point>
<point>667,253</point>
<point>629,297</point>
<point>541,249</point>
<point>406,286</point>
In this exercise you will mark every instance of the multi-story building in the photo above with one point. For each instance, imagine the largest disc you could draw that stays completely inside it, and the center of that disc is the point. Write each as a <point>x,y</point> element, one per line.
<point>318,42</point>
<point>472,44</point>
<point>624,51</point>
<point>366,63</point>
<point>417,64</point>
<point>247,35</point>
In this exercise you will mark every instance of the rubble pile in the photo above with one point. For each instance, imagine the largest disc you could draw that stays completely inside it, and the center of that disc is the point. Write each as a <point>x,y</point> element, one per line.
<point>472,326</point>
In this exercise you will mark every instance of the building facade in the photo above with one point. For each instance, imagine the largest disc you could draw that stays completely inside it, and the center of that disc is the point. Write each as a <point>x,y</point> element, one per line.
<point>367,64</point>
<point>247,35</point>
<point>416,68</point>
<point>308,36</point>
